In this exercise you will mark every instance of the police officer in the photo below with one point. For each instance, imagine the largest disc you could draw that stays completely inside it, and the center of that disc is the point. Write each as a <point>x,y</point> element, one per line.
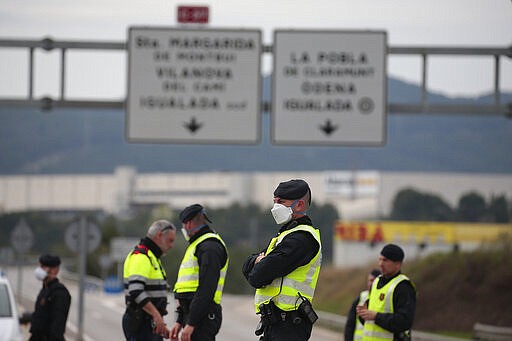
<point>353,326</point>
<point>286,272</point>
<point>48,321</point>
<point>392,303</point>
<point>145,285</point>
<point>200,282</point>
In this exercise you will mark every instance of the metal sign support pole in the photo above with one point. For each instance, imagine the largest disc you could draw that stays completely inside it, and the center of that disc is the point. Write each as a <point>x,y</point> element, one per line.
<point>20,277</point>
<point>82,255</point>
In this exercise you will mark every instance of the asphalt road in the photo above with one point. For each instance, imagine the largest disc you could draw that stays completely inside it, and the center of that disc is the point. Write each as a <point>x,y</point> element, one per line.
<point>103,311</point>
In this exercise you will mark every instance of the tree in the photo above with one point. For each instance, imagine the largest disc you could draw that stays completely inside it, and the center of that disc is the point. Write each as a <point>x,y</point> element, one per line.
<point>406,205</point>
<point>324,218</point>
<point>437,208</point>
<point>471,207</point>
<point>498,210</point>
<point>411,205</point>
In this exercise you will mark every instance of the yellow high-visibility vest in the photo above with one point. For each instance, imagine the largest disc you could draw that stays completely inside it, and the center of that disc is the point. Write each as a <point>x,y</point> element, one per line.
<point>188,274</point>
<point>358,332</point>
<point>142,270</point>
<point>284,291</point>
<point>381,301</point>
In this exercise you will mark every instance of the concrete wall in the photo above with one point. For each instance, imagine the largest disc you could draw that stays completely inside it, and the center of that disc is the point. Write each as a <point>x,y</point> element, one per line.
<point>57,192</point>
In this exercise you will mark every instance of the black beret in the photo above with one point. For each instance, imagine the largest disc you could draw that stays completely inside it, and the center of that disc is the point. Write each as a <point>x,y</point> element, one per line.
<point>191,211</point>
<point>292,189</point>
<point>49,260</point>
<point>393,252</point>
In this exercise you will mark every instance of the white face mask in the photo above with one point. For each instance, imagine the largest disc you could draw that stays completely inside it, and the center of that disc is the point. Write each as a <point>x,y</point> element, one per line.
<point>40,273</point>
<point>281,213</point>
<point>185,234</point>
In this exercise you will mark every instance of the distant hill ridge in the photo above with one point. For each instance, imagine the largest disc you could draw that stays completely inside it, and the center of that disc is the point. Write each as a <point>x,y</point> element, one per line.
<point>92,141</point>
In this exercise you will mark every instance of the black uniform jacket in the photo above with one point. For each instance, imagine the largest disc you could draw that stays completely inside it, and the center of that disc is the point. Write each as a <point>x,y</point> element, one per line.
<point>211,257</point>
<point>295,250</point>
<point>350,324</point>
<point>51,311</point>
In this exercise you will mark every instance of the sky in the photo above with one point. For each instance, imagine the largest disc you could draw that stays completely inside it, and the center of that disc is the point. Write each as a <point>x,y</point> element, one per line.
<point>102,75</point>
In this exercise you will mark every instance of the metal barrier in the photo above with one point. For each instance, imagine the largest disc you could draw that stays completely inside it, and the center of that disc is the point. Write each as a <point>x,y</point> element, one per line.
<point>491,333</point>
<point>47,103</point>
<point>337,322</point>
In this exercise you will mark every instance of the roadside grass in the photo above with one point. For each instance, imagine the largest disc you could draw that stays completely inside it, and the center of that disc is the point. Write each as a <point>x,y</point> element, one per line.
<point>455,290</point>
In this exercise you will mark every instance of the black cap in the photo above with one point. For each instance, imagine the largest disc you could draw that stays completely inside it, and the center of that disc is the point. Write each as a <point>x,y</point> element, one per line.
<point>375,273</point>
<point>49,260</point>
<point>393,252</point>
<point>191,211</point>
<point>293,189</point>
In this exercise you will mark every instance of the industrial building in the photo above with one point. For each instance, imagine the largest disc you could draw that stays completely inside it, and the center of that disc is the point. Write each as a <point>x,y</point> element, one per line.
<point>362,194</point>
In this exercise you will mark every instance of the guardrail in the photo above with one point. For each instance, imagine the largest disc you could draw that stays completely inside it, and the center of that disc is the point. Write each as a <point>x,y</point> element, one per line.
<point>491,333</point>
<point>337,322</point>
<point>91,283</point>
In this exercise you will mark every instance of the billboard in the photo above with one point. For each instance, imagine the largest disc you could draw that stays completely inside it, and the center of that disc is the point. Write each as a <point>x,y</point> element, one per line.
<point>356,184</point>
<point>418,232</point>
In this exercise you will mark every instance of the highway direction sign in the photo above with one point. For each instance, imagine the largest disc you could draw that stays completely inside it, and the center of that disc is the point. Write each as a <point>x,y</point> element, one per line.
<point>193,85</point>
<point>329,87</point>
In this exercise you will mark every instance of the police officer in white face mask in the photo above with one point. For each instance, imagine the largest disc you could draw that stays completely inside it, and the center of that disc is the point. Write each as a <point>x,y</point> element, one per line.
<point>48,321</point>
<point>285,273</point>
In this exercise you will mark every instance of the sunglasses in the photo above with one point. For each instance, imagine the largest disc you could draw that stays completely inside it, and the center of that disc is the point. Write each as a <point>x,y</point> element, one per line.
<point>168,227</point>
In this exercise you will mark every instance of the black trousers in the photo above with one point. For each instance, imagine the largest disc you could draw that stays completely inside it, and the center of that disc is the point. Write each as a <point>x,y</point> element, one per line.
<point>43,337</point>
<point>287,331</point>
<point>209,327</point>
<point>144,332</point>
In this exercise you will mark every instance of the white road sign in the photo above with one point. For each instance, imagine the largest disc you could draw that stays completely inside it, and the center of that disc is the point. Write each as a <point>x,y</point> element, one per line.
<point>72,236</point>
<point>22,237</point>
<point>193,85</point>
<point>329,87</point>
<point>121,246</point>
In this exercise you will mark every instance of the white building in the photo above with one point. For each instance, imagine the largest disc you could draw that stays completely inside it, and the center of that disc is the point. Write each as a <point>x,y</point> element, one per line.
<point>356,194</point>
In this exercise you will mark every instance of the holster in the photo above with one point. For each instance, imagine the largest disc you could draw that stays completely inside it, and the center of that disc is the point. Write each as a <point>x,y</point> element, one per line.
<point>270,314</point>
<point>267,318</point>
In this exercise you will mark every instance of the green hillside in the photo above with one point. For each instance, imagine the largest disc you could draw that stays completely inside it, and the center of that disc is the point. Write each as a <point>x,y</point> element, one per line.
<point>455,290</point>
<point>77,141</point>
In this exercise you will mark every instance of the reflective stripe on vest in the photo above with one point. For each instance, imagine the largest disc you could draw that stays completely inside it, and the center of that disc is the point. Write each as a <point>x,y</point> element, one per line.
<point>283,291</point>
<point>143,271</point>
<point>381,301</point>
<point>358,332</point>
<point>188,275</point>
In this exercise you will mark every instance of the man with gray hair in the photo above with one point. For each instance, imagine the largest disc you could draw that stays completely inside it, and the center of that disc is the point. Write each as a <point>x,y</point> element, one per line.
<point>145,284</point>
